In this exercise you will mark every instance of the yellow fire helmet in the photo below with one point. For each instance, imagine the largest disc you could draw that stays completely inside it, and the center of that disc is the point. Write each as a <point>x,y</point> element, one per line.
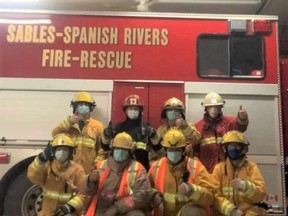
<point>174,103</point>
<point>212,99</point>
<point>235,137</point>
<point>174,138</point>
<point>62,140</point>
<point>123,140</point>
<point>83,97</point>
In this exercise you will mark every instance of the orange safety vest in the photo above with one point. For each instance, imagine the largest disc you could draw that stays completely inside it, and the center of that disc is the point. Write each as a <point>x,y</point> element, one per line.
<point>159,167</point>
<point>128,178</point>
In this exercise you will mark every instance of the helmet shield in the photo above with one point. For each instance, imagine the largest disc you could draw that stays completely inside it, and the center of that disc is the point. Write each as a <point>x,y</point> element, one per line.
<point>132,100</point>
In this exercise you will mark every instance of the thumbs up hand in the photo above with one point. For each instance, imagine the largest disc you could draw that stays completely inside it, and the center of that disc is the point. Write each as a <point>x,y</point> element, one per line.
<point>180,122</point>
<point>74,119</point>
<point>47,154</point>
<point>109,131</point>
<point>94,176</point>
<point>242,114</point>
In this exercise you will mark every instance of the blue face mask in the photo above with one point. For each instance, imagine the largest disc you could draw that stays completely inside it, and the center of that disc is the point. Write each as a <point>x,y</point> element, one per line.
<point>120,155</point>
<point>234,154</point>
<point>172,114</point>
<point>83,109</point>
<point>174,156</point>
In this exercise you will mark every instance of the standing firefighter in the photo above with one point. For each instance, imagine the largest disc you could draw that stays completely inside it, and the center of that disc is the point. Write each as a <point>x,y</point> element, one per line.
<point>145,136</point>
<point>84,130</point>
<point>182,182</point>
<point>59,177</point>
<point>173,115</point>
<point>119,185</point>
<point>241,187</point>
<point>212,128</point>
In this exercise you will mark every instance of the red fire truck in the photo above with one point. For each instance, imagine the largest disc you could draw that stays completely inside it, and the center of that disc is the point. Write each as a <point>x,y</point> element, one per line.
<point>47,57</point>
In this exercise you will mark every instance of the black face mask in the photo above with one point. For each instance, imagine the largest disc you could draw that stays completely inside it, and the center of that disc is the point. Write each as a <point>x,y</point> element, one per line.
<point>235,154</point>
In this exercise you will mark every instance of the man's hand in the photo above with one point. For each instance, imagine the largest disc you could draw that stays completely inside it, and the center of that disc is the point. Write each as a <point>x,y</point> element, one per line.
<point>239,184</point>
<point>152,132</point>
<point>74,119</point>
<point>185,189</point>
<point>157,200</point>
<point>242,114</point>
<point>109,130</point>
<point>64,210</point>
<point>47,154</point>
<point>180,123</point>
<point>183,192</point>
<point>112,211</point>
<point>236,212</point>
<point>94,176</point>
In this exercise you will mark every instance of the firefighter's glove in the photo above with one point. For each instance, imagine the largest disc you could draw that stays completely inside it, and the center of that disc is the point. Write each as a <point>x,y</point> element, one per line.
<point>239,184</point>
<point>112,211</point>
<point>156,198</point>
<point>263,205</point>
<point>93,176</point>
<point>64,210</point>
<point>152,132</point>
<point>242,114</point>
<point>109,131</point>
<point>236,212</point>
<point>47,154</point>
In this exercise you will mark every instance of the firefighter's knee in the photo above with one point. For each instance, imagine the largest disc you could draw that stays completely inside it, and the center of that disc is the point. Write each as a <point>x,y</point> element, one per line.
<point>192,209</point>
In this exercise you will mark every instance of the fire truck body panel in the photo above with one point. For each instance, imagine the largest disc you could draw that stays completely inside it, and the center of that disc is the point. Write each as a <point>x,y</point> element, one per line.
<point>46,58</point>
<point>152,43</point>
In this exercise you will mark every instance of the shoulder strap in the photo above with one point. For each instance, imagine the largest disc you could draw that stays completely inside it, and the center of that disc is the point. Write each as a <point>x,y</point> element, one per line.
<point>158,174</point>
<point>193,166</point>
<point>128,178</point>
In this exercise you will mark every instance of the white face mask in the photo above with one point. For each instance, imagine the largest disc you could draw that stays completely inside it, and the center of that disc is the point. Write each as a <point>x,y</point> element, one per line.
<point>61,155</point>
<point>132,114</point>
<point>213,111</point>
